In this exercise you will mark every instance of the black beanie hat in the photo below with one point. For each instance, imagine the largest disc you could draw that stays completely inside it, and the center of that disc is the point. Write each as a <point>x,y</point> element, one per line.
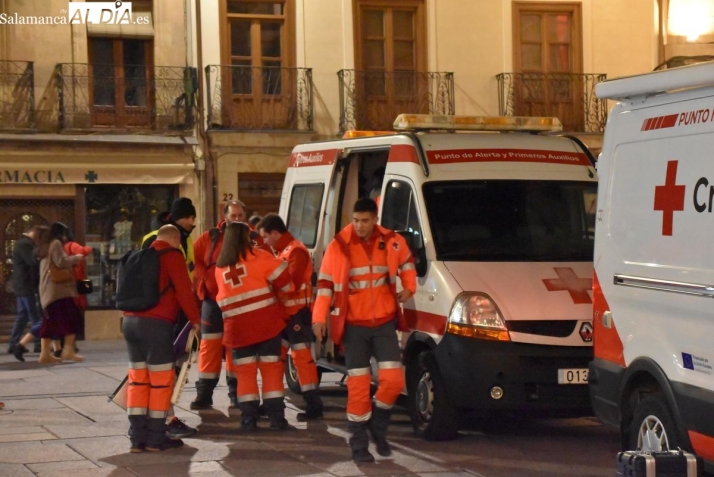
<point>182,208</point>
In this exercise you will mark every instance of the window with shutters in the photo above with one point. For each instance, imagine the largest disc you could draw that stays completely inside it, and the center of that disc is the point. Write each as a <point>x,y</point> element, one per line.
<point>547,59</point>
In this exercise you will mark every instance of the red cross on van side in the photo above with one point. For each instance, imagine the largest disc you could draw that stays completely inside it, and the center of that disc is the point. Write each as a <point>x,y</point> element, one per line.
<point>669,198</point>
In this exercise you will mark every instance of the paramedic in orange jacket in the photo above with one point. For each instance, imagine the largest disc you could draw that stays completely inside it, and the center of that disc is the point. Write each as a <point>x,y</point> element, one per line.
<point>210,356</point>
<point>297,307</point>
<point>358,278</point>
<point>149,336</point>
<point>253,319</point>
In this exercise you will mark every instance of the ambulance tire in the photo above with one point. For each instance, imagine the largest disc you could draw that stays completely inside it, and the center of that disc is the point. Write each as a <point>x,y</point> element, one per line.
<point>432,415</point>
<point>291,375</point>
<point>652,419</point>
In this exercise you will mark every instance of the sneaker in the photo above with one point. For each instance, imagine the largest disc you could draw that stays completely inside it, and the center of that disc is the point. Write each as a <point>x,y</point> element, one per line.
<point>247,423</point>
<point>166,445</point>
<point>18,352</point>
<point>176,429</point>
<point>362,455</point>
<point>309,415</point>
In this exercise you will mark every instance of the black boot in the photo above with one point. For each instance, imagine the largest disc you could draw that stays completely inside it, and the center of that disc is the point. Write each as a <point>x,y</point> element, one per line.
<point>204,393</point>
<point>232,392</point>
<point>313,406</point>
<point>359,442</point>
<point>378,426</point>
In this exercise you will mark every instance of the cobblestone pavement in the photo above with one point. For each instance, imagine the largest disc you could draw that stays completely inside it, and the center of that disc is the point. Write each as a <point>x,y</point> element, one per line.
<point>57,421</point>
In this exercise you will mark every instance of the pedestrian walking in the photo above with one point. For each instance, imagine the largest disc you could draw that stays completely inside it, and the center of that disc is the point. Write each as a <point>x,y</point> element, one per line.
<point>298,332</point>
<point>25,282</point>
<point>253,319</point>
<point>149,335</point>
<point>358,278</point>
<point>210,357</point>
<point>57,291</point>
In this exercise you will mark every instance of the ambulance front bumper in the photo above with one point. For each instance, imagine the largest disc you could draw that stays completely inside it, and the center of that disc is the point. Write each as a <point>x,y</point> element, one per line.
<point>527,375</point>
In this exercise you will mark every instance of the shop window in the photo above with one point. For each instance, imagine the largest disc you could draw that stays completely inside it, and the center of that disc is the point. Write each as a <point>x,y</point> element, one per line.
<point>117,218</point>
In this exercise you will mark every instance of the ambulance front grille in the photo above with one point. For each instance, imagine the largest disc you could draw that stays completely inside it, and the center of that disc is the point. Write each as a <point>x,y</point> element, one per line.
<point>554,328</point>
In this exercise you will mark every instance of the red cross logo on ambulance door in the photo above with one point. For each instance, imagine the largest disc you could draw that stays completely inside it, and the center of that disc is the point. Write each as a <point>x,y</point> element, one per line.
<point>669,198</point>
<point>577,287</point>
<point>234,275</point>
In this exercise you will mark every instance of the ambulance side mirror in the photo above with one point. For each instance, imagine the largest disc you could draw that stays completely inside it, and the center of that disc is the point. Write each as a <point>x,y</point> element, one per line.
<point>416,245</point>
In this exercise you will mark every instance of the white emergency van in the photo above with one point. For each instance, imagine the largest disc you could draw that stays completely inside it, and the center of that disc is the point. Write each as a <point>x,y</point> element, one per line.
<point>653,371</point>
<point>500,218</point>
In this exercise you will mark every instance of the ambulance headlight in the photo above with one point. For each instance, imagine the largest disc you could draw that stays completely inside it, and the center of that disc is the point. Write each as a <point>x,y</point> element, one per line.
<point>475,315</point>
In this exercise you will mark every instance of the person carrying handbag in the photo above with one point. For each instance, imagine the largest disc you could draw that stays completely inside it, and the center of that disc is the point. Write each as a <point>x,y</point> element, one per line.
<point>57,290</point>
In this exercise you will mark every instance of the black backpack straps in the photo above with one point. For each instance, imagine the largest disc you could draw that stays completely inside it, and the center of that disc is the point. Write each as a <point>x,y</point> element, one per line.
<point>159,253</point>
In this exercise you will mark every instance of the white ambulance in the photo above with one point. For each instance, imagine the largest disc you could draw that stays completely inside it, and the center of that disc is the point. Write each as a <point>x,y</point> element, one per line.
<point>653,375</point>
<point>501,221</point>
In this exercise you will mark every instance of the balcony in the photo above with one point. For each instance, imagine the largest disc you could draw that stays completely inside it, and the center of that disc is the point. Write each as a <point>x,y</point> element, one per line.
<point>371,100</point>
<point>259,98</point>
<point>17,96</point>
<point>569,97</point>
<point>126,98</point>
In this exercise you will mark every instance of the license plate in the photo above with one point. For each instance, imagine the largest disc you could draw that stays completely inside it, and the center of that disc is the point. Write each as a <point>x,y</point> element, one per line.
<point>573,376</point>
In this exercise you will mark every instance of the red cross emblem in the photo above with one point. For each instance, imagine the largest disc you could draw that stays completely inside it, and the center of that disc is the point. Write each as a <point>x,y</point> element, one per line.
<point>577,287</point>
<point>669,198</point>
<point>234,274</point>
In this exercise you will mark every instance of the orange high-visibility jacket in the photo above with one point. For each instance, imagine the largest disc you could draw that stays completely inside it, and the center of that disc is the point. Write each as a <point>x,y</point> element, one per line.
<point>361,291</point>
<point>247,296</point>
<point>294,253</point>
<point>206,249</point>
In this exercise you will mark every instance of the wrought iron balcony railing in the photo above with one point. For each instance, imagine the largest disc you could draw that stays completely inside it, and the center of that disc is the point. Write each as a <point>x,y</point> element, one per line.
<point>371,100</point>
<point>570,97</point>
<point>259,98</point>
<point>17,95</point>
<point>152,99</point>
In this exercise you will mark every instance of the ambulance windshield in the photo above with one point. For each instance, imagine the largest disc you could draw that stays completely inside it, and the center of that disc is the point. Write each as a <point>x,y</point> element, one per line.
<point>512,220</point>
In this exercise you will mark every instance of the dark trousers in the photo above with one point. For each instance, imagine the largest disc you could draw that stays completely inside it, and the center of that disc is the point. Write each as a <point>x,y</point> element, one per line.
<point>28,311</point>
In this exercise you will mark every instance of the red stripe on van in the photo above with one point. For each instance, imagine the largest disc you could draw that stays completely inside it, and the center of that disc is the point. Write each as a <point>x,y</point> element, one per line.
<point>669,121</point>
<point>324,157</point>
<point>403,153</point>
<point>426,322</point>
<point>660,122</point>
<point>703,445</point>
<point>607,344</point>
<point>451,156</point>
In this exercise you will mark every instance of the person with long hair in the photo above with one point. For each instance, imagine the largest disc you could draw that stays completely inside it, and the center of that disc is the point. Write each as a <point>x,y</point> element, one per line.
<point>62,317</point>
<point>249,280</point>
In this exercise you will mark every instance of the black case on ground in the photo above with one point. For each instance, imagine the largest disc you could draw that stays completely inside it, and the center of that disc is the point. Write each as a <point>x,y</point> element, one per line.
<point>658,464</point>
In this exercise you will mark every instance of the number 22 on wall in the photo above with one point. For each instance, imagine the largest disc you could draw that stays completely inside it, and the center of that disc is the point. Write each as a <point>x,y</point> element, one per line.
<point>227,197</point>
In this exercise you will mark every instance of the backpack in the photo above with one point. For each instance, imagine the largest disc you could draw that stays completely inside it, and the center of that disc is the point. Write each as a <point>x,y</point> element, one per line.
<point>138,280</point>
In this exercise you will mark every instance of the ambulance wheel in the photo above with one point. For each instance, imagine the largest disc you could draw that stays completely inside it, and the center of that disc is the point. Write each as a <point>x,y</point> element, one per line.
<point>291,376</point>
<point>432,416</point>
<point>653,428</point>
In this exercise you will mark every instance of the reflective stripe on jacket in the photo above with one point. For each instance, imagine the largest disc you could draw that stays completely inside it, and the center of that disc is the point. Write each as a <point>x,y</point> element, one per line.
<point>247,296</point>
<point>362,290</point>
<point>302,279</point>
